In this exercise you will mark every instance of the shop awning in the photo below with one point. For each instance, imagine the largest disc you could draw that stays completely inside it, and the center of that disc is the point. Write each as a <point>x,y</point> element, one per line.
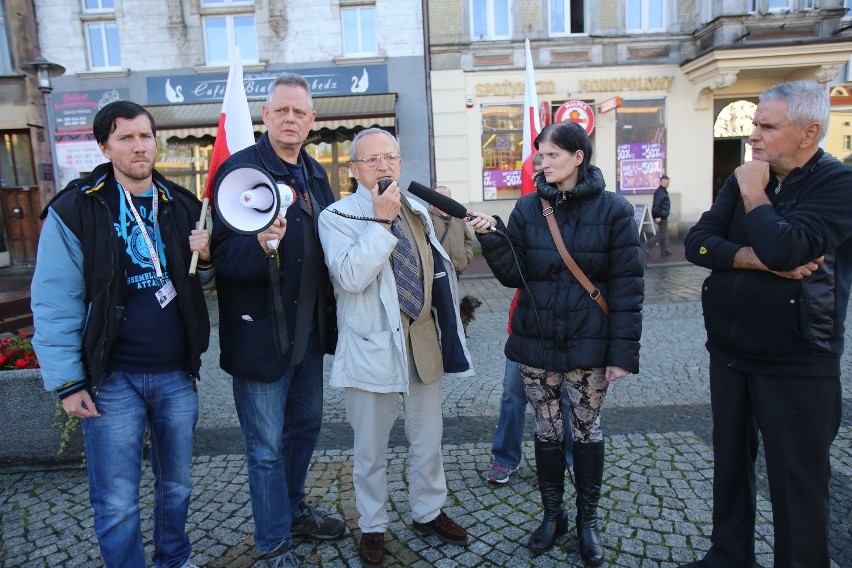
<point>198,120</point>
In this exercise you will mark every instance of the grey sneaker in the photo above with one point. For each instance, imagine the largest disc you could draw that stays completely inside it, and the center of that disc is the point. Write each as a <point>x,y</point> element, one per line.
<point>281,557</point>
<point>310,522</point>
<point>499,474</point>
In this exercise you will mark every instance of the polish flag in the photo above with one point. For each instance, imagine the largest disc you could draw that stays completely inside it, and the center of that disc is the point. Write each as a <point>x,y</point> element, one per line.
<point>532,126</point>
<point>235,127</point>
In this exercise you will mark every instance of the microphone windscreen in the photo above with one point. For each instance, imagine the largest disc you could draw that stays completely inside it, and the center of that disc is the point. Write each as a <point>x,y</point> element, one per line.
<point>447,205</point>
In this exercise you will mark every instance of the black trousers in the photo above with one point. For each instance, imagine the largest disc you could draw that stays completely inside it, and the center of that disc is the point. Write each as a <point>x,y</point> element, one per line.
<point>798,418</point>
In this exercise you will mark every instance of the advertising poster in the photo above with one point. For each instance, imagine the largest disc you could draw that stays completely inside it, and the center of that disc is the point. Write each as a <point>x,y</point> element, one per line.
<point>77,157</point>
<point>640,166</point>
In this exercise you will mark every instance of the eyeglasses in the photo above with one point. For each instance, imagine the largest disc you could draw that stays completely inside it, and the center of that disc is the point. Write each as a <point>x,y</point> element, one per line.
<point>373,161</point>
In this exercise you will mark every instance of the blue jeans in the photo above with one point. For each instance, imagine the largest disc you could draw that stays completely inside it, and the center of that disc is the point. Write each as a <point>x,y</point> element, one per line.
<point>168,404</point>
<point>506,447</point>
<point>280,423</point>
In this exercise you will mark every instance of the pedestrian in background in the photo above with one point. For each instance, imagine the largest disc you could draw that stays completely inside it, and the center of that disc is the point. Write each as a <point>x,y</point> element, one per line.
<point>660,212</point>
<point>400,331</point>
<point>779,242</point>
<point>454,234</point>
<point>506,447</point>
<point>561,336</point>
<point>276,320</point>
<point>120,329</point>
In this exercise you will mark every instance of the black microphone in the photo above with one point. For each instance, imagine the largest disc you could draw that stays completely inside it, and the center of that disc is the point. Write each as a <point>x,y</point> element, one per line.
<point>446,204</point>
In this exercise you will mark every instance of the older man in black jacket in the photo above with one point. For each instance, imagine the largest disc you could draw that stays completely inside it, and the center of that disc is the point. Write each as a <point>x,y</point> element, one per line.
<point>275,323</point>
<point>779,242</point>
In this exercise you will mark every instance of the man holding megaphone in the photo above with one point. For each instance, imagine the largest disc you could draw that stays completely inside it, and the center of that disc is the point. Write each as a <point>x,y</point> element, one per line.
<point>276,314</point>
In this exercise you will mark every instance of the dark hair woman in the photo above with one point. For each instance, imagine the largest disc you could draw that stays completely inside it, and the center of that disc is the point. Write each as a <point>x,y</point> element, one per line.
<point>560,336</point>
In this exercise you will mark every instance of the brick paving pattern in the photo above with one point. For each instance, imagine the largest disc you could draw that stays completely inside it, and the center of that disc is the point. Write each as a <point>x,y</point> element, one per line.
<point>655,503</point>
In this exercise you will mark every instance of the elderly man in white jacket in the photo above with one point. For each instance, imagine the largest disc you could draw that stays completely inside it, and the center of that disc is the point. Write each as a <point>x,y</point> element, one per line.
<point>399,332</point>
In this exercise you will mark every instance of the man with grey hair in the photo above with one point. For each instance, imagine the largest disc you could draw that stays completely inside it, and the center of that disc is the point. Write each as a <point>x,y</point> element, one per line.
<point>275,322</point>
<point>400,331</point>
<point>779,242</point>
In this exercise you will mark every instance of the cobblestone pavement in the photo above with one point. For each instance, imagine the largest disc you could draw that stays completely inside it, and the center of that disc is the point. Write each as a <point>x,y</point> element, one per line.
<point>656,500</point>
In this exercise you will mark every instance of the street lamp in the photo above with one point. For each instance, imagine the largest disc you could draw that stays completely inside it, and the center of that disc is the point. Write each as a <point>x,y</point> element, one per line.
<point>44,70</point>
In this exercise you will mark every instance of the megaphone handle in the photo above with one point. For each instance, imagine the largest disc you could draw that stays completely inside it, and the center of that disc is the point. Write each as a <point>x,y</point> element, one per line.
<point>193,265</point>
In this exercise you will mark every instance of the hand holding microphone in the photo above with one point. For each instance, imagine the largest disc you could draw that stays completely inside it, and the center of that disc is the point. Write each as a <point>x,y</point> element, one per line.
<point>386,200</point>
<point>481,222</point>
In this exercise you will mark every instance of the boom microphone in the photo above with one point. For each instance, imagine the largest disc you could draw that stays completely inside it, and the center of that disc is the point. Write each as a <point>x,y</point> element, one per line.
<point>446,204</point>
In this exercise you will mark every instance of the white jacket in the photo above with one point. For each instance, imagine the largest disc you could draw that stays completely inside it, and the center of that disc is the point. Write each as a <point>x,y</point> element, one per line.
<point>371,353</point>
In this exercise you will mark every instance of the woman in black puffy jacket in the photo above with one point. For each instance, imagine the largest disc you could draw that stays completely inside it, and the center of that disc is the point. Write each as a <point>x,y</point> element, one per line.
<point>560,335</point>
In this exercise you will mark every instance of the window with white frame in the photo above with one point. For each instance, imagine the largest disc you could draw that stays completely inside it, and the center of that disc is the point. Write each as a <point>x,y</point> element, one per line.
<point>102,39</point>
<point>99,5</point>
<point>221,33</point>
<point>567,17</point>
<point>217,3</point>
<point>358,28</point>
<point>778,5</point>
<point>490,19</point>
<point>5,46</point>
<point>645,15</point>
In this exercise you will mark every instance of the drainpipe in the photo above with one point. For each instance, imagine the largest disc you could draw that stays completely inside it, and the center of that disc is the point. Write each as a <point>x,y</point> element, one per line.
<point>427,63</point>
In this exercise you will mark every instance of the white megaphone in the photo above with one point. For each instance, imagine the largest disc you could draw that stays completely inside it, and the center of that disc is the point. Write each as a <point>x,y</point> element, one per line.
<point>248,200</point>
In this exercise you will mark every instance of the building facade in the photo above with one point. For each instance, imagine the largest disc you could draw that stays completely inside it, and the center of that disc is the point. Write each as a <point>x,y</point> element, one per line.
<point>364,61</point>
<point>25,163</point>
<point>663,86</point>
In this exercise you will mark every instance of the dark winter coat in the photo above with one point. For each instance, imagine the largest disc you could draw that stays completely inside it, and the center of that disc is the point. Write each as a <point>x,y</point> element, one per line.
<point>556,325</point>
<point>243,285</point>
<point>762,323</point>
<point>662,204</point>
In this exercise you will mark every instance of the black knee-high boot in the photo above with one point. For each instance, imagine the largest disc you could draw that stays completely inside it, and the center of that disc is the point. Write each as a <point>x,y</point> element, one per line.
<point>550,467</point>
<point>588,470</point>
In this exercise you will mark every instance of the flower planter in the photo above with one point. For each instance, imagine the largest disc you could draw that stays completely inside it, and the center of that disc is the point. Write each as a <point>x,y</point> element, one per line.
<point>29,433</point>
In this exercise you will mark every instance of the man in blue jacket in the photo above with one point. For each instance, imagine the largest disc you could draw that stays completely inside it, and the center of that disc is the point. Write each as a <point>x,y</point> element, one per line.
<point>779,242</point>
<point>275,323</point>
<point>120,329</point>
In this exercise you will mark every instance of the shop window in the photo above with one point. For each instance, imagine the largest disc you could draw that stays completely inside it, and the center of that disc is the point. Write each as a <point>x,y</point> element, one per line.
<point>640,145</point>
<point>645,15</point>
<point>5,51</point>
<point>502,142</point>
<point>186,162</point>
<point>16,160</point>
<point>331,150</point>
<point>567,17</point>
<point>358,25</point>
<point>102,38</point>
<point>490,19</point>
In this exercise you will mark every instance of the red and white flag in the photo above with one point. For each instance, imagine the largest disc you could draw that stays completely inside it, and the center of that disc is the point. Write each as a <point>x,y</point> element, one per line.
<point>532,126</point>
<point>235,127</point>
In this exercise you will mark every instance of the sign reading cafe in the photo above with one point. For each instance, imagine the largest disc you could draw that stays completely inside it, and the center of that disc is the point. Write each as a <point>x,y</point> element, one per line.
<point>324,81</point>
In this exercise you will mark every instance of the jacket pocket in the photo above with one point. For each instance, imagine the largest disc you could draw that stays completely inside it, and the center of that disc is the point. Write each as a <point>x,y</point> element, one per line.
<point>771,314</point>
<point>370,356</point>
<point>426,351</point>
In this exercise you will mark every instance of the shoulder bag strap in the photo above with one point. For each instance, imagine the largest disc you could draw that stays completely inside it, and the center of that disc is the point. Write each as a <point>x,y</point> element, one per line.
<point>587,285</point>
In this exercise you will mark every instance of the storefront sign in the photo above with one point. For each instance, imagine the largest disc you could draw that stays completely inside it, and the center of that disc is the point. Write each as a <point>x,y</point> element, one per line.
<point>75,111</point>
<point>610,104</point>
<point>620,84</point>
<point>325,81</point>
<point>501,178</point>
<point>544,115</point>
<point>640,167</point>
<point>513,88</point>
<point>76,157</point>
<point>576,111</point>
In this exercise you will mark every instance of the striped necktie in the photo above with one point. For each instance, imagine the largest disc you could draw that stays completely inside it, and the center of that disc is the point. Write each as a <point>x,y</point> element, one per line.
<point>409,286</point>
